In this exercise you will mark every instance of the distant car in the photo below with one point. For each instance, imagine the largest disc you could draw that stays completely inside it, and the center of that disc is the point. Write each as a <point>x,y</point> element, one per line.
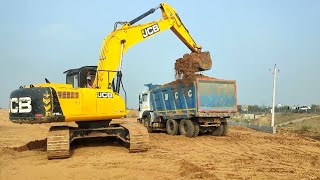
<point>303,109</point>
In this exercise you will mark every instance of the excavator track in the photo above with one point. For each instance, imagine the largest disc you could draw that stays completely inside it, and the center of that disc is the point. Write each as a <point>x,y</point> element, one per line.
<point>138,137</point>
<point>58,142</point>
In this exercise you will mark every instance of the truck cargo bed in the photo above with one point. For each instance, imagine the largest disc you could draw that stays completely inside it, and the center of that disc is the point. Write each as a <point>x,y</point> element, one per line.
<point>201,98</point>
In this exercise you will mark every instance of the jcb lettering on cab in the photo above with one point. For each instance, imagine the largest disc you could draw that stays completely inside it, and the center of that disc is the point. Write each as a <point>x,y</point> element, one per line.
<point>104,95</point>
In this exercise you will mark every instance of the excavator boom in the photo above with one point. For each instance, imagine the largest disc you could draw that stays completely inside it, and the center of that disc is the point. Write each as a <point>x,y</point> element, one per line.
<point>129,34</point>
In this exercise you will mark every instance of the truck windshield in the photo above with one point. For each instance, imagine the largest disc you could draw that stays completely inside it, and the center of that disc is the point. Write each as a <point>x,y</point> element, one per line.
<point>144,97</point>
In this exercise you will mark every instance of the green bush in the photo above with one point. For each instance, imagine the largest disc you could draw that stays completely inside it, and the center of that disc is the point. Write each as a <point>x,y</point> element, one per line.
<point>236,120</point>
<point>305,127</point>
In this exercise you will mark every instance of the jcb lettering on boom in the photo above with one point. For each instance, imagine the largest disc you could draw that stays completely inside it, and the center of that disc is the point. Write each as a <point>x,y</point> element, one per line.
<point>146,32</point>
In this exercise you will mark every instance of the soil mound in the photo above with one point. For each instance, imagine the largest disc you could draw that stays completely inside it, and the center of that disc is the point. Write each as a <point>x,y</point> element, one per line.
<point>191,63</point>
<point>187,81</point>
<point>37,144</point>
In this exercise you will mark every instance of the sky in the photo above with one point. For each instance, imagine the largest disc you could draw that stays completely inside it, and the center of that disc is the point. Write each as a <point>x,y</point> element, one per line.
<point>42,39</point>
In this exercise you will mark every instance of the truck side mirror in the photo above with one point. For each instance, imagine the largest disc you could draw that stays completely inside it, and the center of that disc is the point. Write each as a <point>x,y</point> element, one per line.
<point>140,99</point>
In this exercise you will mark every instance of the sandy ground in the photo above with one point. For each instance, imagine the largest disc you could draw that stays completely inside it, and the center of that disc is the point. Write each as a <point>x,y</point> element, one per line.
<point>242,154</point>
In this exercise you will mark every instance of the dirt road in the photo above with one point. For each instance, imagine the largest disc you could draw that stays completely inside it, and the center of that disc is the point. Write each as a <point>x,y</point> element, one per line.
<point>243,154</point>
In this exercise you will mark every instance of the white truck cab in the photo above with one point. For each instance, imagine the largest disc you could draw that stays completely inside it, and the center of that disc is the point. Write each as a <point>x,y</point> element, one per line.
<point>144,102</point>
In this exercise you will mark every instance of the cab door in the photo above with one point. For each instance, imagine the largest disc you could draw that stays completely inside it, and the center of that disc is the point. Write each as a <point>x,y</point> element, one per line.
<point>89,101</point>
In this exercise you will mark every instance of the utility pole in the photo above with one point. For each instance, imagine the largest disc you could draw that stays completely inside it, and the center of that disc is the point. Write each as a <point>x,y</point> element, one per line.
<point>274,92</point>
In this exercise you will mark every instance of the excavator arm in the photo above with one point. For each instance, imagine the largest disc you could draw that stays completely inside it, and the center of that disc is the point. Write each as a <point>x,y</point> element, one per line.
<point>121,39</point>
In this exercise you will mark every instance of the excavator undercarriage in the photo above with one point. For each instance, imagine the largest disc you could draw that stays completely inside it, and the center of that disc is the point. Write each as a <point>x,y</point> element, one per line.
<point>134,136</point>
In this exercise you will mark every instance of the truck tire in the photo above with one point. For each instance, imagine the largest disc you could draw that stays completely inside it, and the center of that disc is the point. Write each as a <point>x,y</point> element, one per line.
<point>186,127</point>
<point>225,129</point>
<point>146,118</point>
<point>172,127</point>
<point>142,121</point>
<point>217,131</point>
<point>196,128</point>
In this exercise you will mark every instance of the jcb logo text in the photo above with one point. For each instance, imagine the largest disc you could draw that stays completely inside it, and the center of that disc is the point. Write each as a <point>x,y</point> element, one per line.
<point>104,95</point>
<point>150,30</point>
<point>20,105</point>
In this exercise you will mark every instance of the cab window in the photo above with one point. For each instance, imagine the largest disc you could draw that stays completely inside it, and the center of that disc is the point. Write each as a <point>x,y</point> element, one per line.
<point>73,80</point>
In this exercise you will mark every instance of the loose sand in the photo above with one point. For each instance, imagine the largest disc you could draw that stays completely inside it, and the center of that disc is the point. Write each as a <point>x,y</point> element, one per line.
<point>242,154</point>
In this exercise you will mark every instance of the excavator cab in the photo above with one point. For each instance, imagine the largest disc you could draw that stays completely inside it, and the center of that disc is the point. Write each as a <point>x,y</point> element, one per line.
<point>81,77</point>
<point>85,76</point>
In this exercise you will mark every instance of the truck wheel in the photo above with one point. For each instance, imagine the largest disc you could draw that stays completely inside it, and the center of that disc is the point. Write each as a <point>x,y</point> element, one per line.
<point>149,128</point>
<point>172,127</point>
<point>203,130</point>
<point>186,127</point>
<point>147,122</point>
<point>225,128</point>
<point>196,128</point>
<point>217,131</point>
<point>142,121</point>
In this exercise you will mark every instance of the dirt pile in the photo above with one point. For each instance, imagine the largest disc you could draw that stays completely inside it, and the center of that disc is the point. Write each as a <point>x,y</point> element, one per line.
<point>192,171</point>
<point>37,144</point>
<point>187,67</point>
<point>187,81</point>
<point>191,63</point>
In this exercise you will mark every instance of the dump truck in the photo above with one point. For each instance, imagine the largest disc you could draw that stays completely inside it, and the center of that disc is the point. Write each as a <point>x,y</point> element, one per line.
<point>201,105</point>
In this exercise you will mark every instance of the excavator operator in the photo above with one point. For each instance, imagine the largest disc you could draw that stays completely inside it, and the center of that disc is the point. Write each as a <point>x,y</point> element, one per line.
<point>89,82</point>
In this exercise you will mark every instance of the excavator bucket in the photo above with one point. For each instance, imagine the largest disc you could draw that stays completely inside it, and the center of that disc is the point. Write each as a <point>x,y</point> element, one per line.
<point>192,63</point>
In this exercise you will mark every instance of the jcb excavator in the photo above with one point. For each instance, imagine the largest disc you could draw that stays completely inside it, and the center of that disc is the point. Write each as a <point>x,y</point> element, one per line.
<point>94,107</point>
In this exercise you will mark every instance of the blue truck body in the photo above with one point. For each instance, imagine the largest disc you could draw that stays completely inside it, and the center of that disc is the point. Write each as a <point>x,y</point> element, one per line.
<point>203,97</point>
<point>189,108</point>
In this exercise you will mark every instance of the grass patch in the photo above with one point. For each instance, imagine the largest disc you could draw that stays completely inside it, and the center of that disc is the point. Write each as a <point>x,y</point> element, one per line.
<point>305,127</point>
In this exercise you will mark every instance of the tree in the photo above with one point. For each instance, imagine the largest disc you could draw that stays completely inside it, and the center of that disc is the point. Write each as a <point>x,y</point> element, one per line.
<point>315,107</point>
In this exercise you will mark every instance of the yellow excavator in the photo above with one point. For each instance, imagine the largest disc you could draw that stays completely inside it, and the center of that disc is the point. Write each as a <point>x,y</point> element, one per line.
<point>91,95</point>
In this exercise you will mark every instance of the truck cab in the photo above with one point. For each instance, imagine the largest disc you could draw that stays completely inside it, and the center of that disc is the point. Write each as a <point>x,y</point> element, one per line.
<point>144,102</point>
<point>145,107</point>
